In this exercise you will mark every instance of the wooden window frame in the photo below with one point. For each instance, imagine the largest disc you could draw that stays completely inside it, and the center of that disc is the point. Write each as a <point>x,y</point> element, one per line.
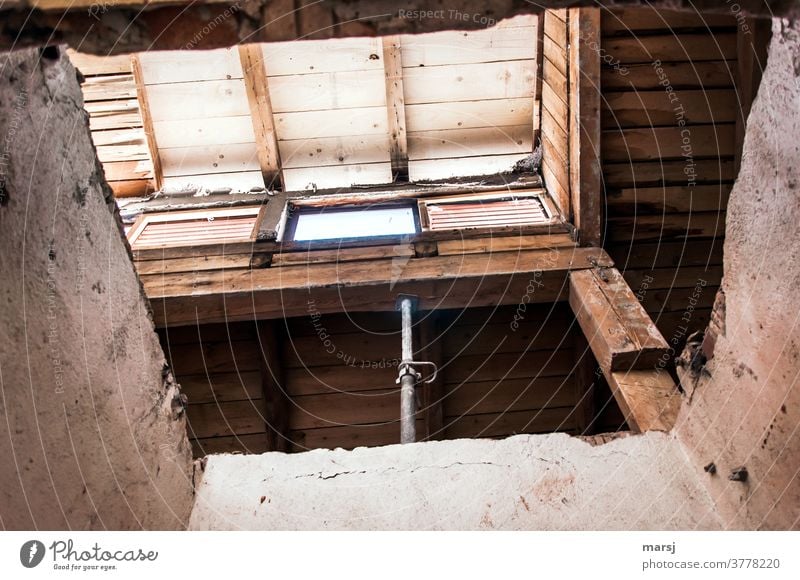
<point>146,219</point>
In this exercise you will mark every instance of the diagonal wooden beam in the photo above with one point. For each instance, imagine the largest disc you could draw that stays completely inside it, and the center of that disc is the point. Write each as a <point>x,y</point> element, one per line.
<point>257,87</point>
<point>628,347</point>
<point>147,121</point>
<point>395,104</point>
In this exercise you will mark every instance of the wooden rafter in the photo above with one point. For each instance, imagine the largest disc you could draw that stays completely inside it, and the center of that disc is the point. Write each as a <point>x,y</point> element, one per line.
<point>628,347</point>
<point>584,124</point>
<point>395,103</point>
<point>276,400</point>
<point>256,84</point>
<point>147,121</point>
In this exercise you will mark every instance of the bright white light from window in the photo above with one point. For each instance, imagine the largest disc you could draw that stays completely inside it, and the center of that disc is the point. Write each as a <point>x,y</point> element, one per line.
<point>337,224</point>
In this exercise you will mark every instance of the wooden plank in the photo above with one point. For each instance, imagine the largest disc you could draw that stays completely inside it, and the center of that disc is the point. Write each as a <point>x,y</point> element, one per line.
<point>276,399</point>
<point>395,103</point>
<point>585,378</point>
<point>214,357</point>
<point>555,174</point>
<point>668,254</point>
<point>122,170</point>
<point>239,181</point>
<point>263,122</point>
<point>556,106</point>
<point>328,380</point>
<point>671,47</point>
<point>194,264</point>
<point>684,277</point>
<point>495,113</point>
<point>619,331</point>
<point>649,399</point>
<point>585,182</point>
<point>646,18</point>
<point>469,82</point>
<point>197,100</point>
<point>524,336</point>
<point>322,56</point>
<point>437,169</point>
<point>509,396</point>
<point>132,187</point>
<point>431,393</point>
<point>90,64</point>
<point>554,55</point>
<point>668,143</point>
<point>505,366</point>
<point>659,200</point>
<point>104,88</point>
<point>512,423</point>
<point>556,29</point>
<point>752,42</point>
<point>682,75</point>
<point>197,132</point>
<point>224,419</point>
<point>147,121</point>
<point>341,176</point>
<point>328,151</point>
<point>357,351</point>
<point>665,172</point>
<point>324,91</point>
<point>666,227</point>
<point>470,142</point>
<point>469,46</point>
<point>503,244</point>
<point>557,80</point>
<point>316,124</point>
<point>115,153</point>
<point>440,282</point>
<point>221,387</point>
<point>180,66</point>
<point>207,159</point>
<point>650,109</point>
<point>348,437</point>
<point>113,114</point>
<point>345,408</point>
<point>342,255</point>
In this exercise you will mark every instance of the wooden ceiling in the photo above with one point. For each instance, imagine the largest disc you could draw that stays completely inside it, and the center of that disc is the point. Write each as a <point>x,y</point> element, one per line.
<point>316,114</point>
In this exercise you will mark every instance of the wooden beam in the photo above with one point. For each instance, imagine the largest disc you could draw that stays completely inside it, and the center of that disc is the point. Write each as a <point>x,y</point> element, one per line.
<point>618,329</point>
<point>395,104</point>
<point>276,400</point>
<point>430,341</point>
<point>257,86</point>
<point>628,347</point>
<point>648,399</point>
<point>147,121</point>
<point>440,282</point>
<point>584,124</point>
<point>585,379</point>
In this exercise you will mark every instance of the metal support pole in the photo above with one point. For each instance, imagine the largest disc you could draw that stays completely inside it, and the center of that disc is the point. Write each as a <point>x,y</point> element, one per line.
<point>408,378</point>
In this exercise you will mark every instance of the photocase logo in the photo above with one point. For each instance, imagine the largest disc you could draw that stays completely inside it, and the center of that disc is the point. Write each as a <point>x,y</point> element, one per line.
<point>31,553</point>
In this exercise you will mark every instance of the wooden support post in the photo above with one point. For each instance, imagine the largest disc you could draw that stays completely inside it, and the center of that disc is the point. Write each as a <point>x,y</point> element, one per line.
<point>147,121</point>
<point>584,124</point>
<point>585,380</point>
<point>276,401</point>
<point>628,347</point>
<point>431,394</point>
<point>255,81</point>
<point>537,100</point>
<point>395,104</point>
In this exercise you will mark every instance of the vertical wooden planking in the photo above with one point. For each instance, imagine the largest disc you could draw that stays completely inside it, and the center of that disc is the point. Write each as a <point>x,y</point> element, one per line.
<point>395,103</point>
<point>256,84</point>
<point>147,121</point>
<point>584,125</point>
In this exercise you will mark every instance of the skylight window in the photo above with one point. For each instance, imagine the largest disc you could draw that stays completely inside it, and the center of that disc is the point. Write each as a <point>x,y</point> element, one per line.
<point>345,223</point>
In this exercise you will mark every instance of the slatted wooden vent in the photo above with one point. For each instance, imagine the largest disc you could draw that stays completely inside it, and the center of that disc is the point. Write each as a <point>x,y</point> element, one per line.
<point>195,227</point>
<point>487,213</point>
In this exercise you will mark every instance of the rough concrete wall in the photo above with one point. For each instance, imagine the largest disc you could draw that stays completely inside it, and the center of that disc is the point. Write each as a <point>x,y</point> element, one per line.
<point>102,27</point>
<point>528,482</point>
<point>744,407</point>
<point>89,438</point>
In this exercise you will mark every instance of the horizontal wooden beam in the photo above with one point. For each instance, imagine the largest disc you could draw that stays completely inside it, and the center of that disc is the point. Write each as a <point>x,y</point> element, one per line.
<point>628,347</point>
<point>471,280</point>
